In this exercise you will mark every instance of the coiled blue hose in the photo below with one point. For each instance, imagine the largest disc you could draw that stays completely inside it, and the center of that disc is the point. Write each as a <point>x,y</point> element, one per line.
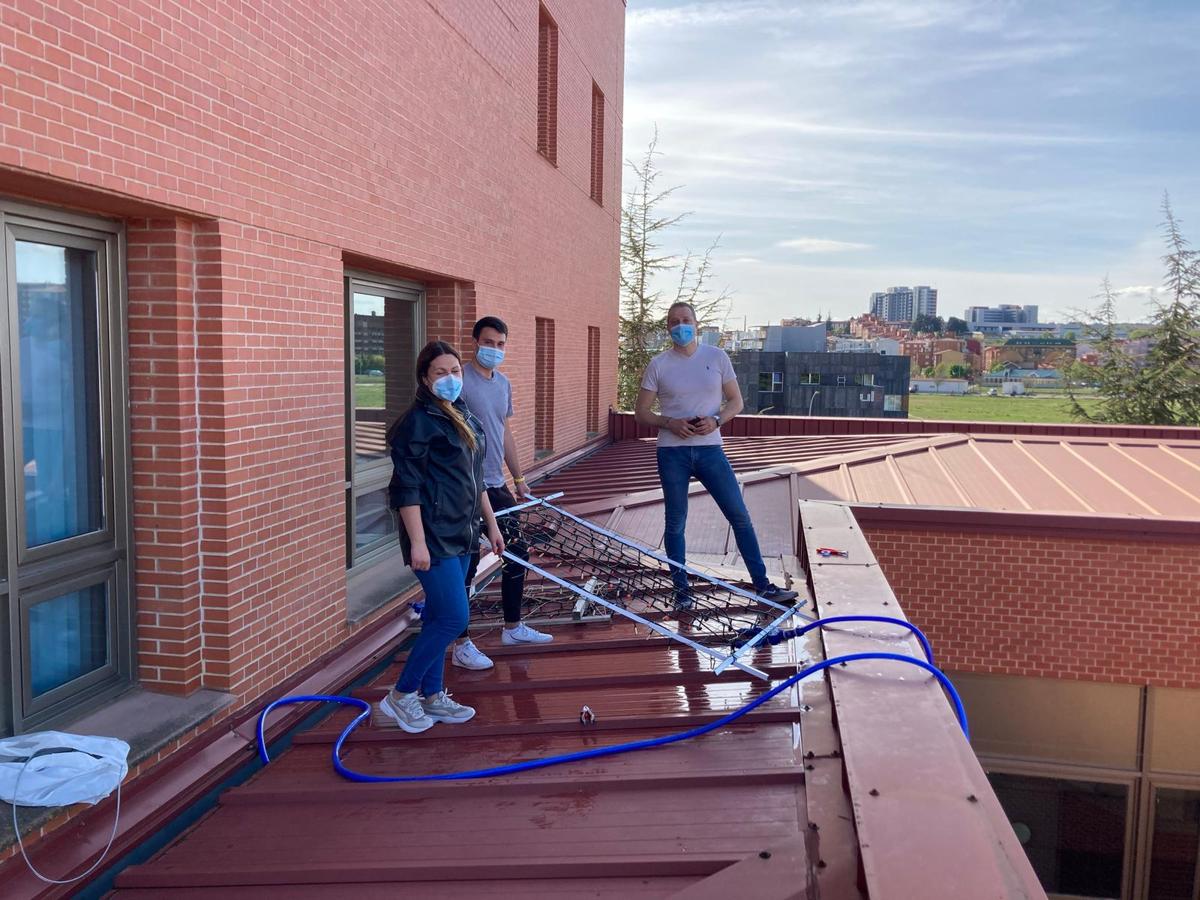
<point>529,765</point>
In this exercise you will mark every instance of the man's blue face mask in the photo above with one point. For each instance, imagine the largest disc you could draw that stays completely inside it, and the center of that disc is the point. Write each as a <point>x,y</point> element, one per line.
<point>683,334</point>
<point>489,357</point>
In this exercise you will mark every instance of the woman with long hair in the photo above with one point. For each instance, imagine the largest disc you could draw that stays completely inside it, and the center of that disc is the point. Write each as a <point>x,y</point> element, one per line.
<point>437,485</point>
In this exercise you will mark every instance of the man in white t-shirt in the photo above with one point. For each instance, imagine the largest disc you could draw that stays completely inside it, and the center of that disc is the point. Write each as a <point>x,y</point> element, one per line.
<point>697,393</point>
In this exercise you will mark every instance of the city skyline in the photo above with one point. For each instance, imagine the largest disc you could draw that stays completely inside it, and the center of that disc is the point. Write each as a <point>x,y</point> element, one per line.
<point>1005,153</point>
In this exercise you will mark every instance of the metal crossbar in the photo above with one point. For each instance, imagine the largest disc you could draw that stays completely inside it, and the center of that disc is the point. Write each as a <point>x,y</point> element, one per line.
<point>611,571</point>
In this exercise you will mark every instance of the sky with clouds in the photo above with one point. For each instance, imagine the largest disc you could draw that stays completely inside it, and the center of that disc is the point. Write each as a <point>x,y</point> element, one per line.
<point>1001,151</point>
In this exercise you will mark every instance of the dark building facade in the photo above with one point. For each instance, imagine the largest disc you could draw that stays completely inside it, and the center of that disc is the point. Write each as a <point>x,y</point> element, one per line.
<point>865,385</point>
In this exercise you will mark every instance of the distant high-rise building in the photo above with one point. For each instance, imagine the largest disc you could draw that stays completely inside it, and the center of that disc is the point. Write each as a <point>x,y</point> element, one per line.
<point>902,304</point>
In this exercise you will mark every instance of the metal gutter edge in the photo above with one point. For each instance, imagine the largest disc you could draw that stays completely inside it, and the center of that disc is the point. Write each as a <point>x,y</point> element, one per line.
<point>928,822</point>
<point>1092,525</point>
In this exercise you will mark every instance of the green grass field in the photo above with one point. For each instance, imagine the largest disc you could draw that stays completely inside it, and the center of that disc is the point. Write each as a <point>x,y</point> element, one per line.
<point>368,390</point>
<point>981,408</point>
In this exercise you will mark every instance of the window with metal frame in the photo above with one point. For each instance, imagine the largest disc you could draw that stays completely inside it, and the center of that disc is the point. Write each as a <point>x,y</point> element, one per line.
<point>64,571</point>
<point>1074,832</point>
<point>771,382</point>
<point>384,332</point>
<point>1174,866</point>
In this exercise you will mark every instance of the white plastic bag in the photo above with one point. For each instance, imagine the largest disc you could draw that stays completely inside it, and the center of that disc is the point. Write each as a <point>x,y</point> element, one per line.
<point>51,768</point>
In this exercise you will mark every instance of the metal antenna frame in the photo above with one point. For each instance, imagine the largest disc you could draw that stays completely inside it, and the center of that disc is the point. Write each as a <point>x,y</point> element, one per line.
<point>723,660</point>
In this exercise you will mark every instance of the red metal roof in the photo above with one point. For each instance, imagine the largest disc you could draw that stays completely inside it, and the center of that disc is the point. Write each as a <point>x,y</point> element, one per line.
<point>888,801</point>
<point>647,824</point>
<point>628,466</point>
<point>1092,476</point>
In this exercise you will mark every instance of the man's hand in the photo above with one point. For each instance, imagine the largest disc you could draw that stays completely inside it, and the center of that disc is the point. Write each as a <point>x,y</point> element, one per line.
<point>708,424</point>
<point>681,428</point>
<point>420,557</point>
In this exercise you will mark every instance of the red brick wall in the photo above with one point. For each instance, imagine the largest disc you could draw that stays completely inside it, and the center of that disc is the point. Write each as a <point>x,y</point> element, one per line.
<point>597,186</point>
<point>164,431</point>
<point>544,386</point>
<point>547,86</point>
<point>262,157</point>
<point>593,381</point>
<point>1088,609</point>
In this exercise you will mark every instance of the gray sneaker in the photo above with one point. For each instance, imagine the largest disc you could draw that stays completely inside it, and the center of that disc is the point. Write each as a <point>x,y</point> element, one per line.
<point>441,708</point>
<point>406,711</point>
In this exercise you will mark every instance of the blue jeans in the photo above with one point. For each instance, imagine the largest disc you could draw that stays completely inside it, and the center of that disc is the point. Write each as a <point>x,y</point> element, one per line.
<point>708,465</point>
<point>443,620</point>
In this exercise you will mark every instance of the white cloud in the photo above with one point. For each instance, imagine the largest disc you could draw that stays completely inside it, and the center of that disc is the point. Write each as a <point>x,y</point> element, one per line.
<point>821,245</point>
<point>1000,150</point>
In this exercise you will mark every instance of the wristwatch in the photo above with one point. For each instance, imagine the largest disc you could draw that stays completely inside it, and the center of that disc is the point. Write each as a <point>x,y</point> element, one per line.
<point>717,419</point>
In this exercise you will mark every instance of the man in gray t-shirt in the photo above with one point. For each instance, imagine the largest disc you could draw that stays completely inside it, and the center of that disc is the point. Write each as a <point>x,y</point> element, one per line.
<point>697,393</point>
<point>488,395</point>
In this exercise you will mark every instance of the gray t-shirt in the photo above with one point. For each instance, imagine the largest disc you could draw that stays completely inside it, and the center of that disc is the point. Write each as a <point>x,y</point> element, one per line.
<point>689,386</point>
<point>490,401</point>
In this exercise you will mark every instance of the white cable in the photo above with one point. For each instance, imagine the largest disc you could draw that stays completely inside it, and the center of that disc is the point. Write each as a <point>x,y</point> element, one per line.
<point>21,843</point>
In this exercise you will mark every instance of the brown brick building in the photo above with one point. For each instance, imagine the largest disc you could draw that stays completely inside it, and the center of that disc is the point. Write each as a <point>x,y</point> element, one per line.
<point>217,203</point>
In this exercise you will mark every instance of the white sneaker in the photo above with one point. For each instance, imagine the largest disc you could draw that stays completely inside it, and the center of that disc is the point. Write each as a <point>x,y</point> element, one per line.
<point>467,656</point>
<point>406,711</point>
<point>523,634</point>
<point>441,708</point>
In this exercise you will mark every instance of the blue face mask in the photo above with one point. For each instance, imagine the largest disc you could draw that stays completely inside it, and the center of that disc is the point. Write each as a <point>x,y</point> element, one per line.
<point>683,334</point>
<point>448,387</point>
<point>489,357</point>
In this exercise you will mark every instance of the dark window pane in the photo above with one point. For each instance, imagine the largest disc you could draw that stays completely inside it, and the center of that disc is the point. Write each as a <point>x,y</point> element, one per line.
<point>68,637</point>
<point>373,521</point>
<point>60,384</point>
<point>1173,860</point>
<point>384,359</point>
<point>1072,831</point>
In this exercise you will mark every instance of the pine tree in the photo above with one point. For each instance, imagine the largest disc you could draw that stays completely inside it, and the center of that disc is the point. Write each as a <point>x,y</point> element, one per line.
<point>644,264</point>
<point>1163,389</point>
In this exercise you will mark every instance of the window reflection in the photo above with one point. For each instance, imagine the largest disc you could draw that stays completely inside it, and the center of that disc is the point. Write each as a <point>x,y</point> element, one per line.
<point>1072,831</point>
<point>1173,858</point>
<point>60,405</point>
<point>68,636</point>
<point>384,357</point>
<point>373,520</point>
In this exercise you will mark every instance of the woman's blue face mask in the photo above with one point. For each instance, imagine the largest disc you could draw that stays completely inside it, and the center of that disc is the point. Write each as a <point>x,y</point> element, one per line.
<point>448,387</point>
<point>489,357</point>
<point>683,334</point>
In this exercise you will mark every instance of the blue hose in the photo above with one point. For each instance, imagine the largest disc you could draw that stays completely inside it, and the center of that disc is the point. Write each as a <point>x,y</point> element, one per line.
<point>776,637</point>
<point>598,752</point>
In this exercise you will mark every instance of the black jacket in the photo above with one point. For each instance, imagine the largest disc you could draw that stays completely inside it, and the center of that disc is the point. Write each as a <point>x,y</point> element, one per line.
<point>434,468</point>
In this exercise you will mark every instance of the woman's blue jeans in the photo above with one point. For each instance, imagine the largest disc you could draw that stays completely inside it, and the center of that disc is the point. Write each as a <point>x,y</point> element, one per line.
<point>708,465</point>
<point>443,620</point>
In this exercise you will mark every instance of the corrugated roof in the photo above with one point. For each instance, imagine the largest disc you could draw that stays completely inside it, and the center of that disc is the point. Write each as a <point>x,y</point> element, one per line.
<point>644,824</point>
<point>628,466</point>
<point>1076,476</point>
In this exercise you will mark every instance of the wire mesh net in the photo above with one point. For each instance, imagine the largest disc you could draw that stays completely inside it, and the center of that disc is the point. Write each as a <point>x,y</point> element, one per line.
<point>575,568</point>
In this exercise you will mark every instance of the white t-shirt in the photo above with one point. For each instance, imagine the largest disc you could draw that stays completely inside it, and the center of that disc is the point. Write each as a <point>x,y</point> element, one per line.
<point>689,386</point>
